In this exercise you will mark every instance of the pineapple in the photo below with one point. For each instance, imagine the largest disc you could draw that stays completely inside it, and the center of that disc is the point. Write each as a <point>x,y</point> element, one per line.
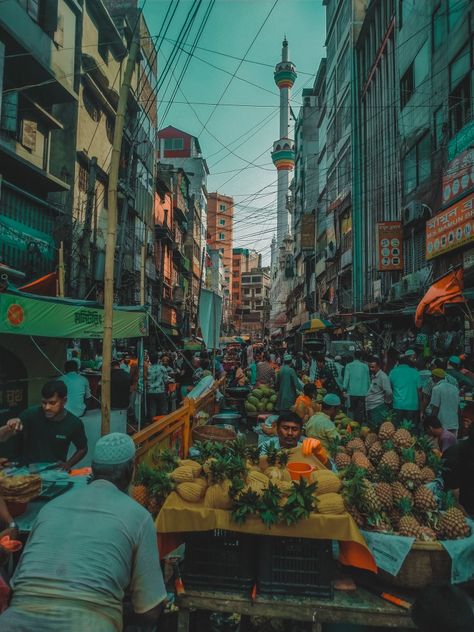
<point>410,475</point>
<point>369,499</point>
<point>356,515</point>
<point>153,506</point>
<point>271,453</point>
<point>426,534</point>
<point>420,458</point>
<point>384,494</point>
<point>356,445</point>
<point>375,452</point>
<point>360,460</point>
<point>386,431</point>
<point>408,525</point>
<point>424,499</point>
<point>391,460</point>
<point>402,438</point>
<point>380,522</point>
<point>140,494</point>
<point>342,460</point>
<point>400,492</point>
<point>360,492</point>
<point>370,439</point>
<point>427,474</point>
<point>452,525</point>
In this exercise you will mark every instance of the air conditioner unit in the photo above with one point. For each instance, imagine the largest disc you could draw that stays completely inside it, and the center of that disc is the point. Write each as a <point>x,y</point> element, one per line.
<point>413,212</point>
<point>330,252</point>
<point>396,291</point>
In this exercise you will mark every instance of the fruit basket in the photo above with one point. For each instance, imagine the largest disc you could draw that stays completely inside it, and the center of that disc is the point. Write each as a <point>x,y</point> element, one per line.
<point>426,563</point>
<point>213,433</point>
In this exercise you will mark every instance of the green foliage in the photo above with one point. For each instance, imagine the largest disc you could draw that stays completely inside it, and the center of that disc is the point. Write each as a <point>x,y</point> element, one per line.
<point>166,460</point>
<point>143,475</point>
<point>245,505</point>
<point>160,485</point>
<point>300,503</point>
<point>270,509</point>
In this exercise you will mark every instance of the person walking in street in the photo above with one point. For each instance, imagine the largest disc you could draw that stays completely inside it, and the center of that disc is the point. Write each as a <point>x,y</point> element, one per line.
<point>249,352</point>
<point>379,397</point>
<point>406,387</point>
<point>265,372</point>
<point>444,403</point>
<point>287,384</point>
<point>356,386</point>
<point>157,379</point>
<point>454,371</point>
<point>78,390</point>
<point>86,548</point>
<point>321,425</point>
<point>326,373</point>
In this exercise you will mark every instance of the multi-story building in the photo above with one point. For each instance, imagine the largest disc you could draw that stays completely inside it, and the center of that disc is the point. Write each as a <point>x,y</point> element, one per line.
<point>171,298</point>
<point>220,230</point>
<point>183,150</point>
<point>215,275</point>
<point>255,286</point>
<point>39,85</point>
<point>243,260</point>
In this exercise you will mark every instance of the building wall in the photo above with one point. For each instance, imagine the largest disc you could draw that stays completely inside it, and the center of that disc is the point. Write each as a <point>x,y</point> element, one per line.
<point>220,220</point>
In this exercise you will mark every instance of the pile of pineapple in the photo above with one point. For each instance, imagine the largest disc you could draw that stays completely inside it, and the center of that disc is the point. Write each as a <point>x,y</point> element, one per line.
<point>384,484</point>
<point>246,480</point>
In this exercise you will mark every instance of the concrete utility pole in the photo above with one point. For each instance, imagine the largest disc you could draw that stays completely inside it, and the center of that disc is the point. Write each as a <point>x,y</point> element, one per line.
<point>112,233</point>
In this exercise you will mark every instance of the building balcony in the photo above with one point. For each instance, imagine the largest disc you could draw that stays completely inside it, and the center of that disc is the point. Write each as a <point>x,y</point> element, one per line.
<point>164,232</point>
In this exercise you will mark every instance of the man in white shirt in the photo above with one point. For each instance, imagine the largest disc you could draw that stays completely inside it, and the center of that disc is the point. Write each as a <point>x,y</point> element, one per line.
<point>356,385</point>
<point>379,395</point>
<point>445,401</point>
<point>86,549</point>
<point>78,390</point>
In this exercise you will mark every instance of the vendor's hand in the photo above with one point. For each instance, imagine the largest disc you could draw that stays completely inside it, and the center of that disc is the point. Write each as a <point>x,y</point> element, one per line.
<point>12,533</point>
<point>14,425</point>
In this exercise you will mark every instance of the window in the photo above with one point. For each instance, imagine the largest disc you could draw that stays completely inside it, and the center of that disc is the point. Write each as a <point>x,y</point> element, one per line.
<point>235,275</point>
<point>407,86</point>
<point>174,144</point>
<point>417,164</point>
<point>343,68</point>
<point>439,127</point>
<point>455,10</point>
<point>245,279</point>
<point>222,222</point>
<point>235,285</point>
<point>438,27</point>
<point>221,236</point>
<point>222,207</point>
<point>83,178</point>
<point>460,107</point>
<point>246,291</point>
<point>91,106</point>
<point>258,290</point>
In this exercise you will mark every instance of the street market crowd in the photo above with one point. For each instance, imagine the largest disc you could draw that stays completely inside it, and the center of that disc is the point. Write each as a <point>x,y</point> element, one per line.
<point>91,547</point>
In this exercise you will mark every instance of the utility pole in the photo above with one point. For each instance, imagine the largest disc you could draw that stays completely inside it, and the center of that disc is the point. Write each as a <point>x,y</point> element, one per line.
<point>112,233</point>
<point>61,270</point>
<point>86,232</point>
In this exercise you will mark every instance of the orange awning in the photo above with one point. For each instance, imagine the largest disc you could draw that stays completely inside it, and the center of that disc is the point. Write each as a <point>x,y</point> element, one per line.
<point>44,286</point>
<point>448,289</point>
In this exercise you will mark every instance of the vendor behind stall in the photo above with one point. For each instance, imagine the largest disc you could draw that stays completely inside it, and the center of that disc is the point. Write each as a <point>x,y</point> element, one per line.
<point>47,431</point>
<point>289,428</point>
<point>86,548</point>
<point>321,425</point>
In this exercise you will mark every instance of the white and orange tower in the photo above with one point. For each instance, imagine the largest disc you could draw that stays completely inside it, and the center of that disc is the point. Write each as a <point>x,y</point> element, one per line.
<point>283,154</point>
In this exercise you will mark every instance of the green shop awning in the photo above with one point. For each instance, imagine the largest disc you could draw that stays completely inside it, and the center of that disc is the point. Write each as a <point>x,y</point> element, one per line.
<point>28,315</point>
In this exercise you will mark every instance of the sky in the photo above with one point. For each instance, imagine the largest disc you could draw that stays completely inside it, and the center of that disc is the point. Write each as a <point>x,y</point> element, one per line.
<point>237,134</point>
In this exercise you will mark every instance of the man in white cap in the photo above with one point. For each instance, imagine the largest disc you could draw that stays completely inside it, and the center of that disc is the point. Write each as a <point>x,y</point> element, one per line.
<point>321,425</point>
<point>86,548</point>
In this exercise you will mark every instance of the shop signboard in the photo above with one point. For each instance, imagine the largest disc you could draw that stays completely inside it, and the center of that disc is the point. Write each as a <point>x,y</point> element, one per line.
<point>463,139</point>
<point>390,246</point>
<point>450,229</point>
<point>458,179</point>
<point>308,236</point>
<point>57,319</point>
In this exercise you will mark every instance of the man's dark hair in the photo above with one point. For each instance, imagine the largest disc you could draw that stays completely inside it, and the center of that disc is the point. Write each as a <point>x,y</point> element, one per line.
<point>288,415</point>
<point>71,365</point>
<point>358,354</point>
<point>442,608</point>
<point>310,389</point>
<point>205,364</point>
<point>120,475</point>
<point>430,421</point>
<point>320,357</point>
<point>375,359</point>
<point>54,387</point>
<point>115,364</point>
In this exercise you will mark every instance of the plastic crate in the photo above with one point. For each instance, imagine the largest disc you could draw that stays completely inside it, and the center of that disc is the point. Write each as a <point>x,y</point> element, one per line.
<point>220,560</point>
<point>295,566</point>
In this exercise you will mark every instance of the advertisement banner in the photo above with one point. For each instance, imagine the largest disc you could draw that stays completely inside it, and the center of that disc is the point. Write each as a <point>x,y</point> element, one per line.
<point>450,229</point>
<point>54,319</point>
<point>308,236</point>
<point>458,179</point>
<point>390,246</point>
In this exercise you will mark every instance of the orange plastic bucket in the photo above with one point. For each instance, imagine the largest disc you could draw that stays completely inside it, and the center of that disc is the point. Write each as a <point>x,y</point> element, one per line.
<point>299,470</point>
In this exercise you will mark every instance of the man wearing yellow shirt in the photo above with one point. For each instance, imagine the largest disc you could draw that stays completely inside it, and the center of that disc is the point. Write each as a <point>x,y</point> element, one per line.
<point>321,425</point>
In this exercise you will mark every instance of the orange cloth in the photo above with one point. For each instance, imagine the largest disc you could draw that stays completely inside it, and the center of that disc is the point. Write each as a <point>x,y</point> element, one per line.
<point>448,289</point>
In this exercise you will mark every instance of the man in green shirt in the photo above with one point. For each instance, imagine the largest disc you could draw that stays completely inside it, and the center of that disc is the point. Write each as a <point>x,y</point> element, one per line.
<point>48,430</point>
<point>321,425</point>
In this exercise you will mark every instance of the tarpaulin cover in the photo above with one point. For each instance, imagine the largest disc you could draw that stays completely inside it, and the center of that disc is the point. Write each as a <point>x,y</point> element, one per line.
<point>448,289</point>
<point>210,317</point>
<point>178,516</point>
<point>56,318</point>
